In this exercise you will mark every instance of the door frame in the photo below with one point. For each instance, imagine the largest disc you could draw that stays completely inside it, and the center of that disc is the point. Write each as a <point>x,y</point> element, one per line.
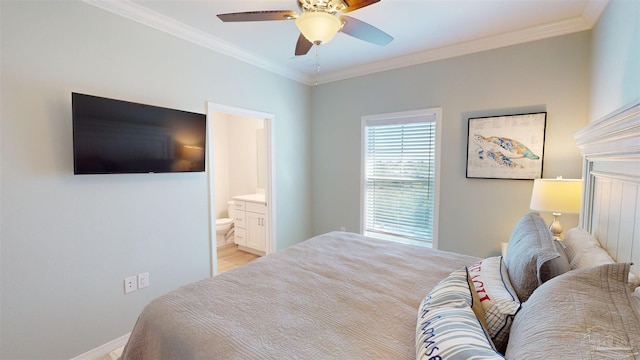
<point>269,119</point>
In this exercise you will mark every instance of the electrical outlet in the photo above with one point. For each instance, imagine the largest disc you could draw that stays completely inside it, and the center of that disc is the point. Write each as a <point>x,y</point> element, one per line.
<point>130,284</point>
<point>342,228</point>
<point>143,280</point>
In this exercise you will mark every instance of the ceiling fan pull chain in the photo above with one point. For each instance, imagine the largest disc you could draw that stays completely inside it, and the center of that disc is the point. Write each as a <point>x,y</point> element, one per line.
<point>317,64</point>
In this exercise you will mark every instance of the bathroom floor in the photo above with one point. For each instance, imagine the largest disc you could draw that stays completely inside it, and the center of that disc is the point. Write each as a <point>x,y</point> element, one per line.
<point>114,355</point>
<point>229,257</point>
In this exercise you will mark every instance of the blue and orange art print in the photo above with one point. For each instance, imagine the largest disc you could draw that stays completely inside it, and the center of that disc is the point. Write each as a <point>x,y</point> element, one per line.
<point>506,147</point>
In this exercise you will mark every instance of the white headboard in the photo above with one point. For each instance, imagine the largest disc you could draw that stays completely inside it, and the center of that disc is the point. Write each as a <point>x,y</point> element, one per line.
<point>611,173</point>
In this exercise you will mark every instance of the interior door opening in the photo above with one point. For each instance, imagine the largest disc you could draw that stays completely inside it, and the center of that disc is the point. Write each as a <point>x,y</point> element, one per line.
<point>240,182</point>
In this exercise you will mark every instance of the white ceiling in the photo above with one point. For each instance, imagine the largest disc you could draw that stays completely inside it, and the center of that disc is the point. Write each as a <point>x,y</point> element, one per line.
<point>423,30</point>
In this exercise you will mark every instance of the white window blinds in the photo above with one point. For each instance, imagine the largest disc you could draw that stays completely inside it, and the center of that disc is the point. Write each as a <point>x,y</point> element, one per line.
<point>400,156</point>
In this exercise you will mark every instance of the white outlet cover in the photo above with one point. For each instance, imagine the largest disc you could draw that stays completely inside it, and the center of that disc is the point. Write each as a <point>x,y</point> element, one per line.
<point>130,284</point>
<point>143,280</point>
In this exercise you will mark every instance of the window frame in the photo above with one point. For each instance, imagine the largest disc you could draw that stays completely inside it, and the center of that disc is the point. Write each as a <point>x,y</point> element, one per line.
<point>436,114</point>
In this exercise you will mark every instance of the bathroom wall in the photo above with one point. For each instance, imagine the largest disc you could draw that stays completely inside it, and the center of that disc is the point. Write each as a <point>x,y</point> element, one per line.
<point>221,163</point>
<point>235,158</point>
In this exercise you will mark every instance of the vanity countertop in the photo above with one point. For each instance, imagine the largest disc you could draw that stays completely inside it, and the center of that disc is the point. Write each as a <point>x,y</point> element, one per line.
<point>258,198</point>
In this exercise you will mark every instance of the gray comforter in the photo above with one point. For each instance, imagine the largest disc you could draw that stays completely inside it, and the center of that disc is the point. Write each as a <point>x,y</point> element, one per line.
<point>335,296</point>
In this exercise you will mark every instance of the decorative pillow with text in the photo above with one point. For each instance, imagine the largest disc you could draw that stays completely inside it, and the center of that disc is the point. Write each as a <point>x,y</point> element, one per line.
<point>447,326</point>
<point>497,296</point>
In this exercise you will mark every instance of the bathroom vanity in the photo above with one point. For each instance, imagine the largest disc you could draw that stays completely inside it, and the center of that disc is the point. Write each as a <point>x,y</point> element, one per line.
<point>250,222</point>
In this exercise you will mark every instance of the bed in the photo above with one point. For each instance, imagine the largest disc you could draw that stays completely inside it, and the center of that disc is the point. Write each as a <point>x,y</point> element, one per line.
<point>337,293</point>
<point>346,296</point>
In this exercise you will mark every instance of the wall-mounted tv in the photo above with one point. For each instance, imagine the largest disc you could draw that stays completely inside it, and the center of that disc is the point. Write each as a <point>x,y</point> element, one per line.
<point>118,137</point>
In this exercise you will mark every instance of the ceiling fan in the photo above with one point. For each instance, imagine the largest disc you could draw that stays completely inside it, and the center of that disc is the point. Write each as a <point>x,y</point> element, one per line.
<point>319,22</point>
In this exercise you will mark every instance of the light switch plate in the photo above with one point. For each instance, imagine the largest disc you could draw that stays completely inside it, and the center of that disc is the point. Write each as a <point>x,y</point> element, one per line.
<point>143,280</point>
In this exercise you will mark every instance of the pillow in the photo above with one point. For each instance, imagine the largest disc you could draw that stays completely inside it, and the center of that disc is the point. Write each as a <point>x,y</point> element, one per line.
<point>634,280</point>
<point>584,250</point>
<point>557,266</point>
<point>456,289</point>
<point>582,314</point>
<point>452,290</point>
<point>476,306</point>
<point>531,245</point>
<point>576,241</point>
<point>497,296</point>
<point>447,327</point>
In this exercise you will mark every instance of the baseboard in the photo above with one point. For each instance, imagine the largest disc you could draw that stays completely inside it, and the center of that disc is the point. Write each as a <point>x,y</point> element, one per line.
<point>104,349</point>
<point>250,250</point>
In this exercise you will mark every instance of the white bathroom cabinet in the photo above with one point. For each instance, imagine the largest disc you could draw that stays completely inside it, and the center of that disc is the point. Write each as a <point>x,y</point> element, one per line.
<point>256,226</point>
<point>250,222</point>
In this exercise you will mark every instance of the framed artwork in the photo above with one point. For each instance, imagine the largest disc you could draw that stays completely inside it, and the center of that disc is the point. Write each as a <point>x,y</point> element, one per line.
<point>506,147</point>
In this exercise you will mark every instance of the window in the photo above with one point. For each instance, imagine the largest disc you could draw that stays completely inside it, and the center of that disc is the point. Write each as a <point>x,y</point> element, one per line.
<point>400,176</point>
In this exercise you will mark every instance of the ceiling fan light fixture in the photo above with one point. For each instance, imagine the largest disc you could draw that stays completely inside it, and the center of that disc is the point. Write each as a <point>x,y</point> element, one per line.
<point>318,27</point>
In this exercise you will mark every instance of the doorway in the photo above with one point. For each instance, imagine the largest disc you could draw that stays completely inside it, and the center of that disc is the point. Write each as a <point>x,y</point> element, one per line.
<point>264,169</point>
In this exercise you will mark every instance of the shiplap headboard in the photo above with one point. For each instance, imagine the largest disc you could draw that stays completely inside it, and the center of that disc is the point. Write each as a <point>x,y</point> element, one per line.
<point>611,173</point>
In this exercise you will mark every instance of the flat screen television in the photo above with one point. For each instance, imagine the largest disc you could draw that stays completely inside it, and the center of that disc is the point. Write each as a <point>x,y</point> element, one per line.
<point>119,137</point>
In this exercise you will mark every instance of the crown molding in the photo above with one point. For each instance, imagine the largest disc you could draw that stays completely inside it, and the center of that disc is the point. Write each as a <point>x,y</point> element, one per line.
<point>143,15</point>
<point>466,48</point>
<point>593,10</point>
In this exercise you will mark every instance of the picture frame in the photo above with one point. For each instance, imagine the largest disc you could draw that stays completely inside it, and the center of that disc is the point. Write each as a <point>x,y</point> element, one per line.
<point>506,146</point>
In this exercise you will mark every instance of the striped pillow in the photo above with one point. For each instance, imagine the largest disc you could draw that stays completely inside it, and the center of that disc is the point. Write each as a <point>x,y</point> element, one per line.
<point>447,327</point>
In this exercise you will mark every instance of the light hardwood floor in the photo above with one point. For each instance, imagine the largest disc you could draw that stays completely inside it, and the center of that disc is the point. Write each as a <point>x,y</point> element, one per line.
<point>229,257</point>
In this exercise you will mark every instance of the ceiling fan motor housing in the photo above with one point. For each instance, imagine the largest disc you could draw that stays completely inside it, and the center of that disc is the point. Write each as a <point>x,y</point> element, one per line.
<point>329,6</point>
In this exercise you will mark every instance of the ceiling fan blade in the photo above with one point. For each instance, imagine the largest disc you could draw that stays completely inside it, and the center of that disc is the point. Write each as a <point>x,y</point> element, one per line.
<point>303,46</point>
<point>259,15</point>
<point>363,31</point>
<point>357,4</point>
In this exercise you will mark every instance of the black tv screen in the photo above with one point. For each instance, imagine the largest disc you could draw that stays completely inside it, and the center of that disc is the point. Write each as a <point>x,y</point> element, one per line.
<point>118,137</point>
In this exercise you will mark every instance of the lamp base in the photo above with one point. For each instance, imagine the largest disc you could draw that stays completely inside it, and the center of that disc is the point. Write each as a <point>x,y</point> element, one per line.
<point>555,227</point>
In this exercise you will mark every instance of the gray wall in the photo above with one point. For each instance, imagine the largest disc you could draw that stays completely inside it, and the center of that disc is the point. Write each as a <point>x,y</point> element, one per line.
<point>69,241</point>
<point>475,214</point>
<point>615,59</point>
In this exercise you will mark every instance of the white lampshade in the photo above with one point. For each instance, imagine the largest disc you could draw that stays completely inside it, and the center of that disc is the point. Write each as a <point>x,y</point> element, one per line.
<point>318,27</point>
<point>556,195</point>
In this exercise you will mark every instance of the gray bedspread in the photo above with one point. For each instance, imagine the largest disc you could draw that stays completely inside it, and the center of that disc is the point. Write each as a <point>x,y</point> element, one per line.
<point>335,296</point>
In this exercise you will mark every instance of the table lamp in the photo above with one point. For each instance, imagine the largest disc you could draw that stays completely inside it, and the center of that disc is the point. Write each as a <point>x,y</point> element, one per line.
<point>556,196</point>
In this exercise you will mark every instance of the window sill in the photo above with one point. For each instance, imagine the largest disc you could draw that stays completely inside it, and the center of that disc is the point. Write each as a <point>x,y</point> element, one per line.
<point>398,239</point>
